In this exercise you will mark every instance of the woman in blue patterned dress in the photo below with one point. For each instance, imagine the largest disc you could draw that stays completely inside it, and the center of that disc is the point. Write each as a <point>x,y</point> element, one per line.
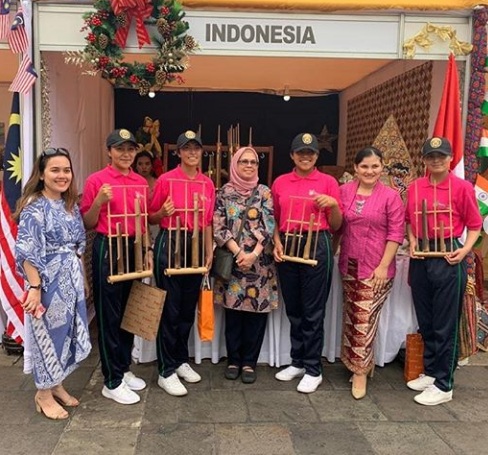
<point>50,242</point>
<point>252,292</point>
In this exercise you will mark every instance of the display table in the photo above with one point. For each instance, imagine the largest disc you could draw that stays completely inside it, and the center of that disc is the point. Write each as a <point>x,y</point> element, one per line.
<point>396,320</point>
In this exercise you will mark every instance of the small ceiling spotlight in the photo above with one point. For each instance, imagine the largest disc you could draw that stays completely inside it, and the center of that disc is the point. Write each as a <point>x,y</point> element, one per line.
<point>151,94</point>
<point>286,94</point>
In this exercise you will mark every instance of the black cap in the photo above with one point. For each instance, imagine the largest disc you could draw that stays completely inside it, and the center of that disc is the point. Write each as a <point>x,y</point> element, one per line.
<point>438,145</point>
<point>188,136</point>
<point>117,137</point>
<point>305,141</point>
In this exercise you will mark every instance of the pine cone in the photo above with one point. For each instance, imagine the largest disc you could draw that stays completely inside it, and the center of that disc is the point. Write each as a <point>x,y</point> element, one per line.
<point>163,26</point>
<point>144,87</point>
<point>121,20</point>
<point>160,77</point>
<point>190,42</point>
<point>103,41</point>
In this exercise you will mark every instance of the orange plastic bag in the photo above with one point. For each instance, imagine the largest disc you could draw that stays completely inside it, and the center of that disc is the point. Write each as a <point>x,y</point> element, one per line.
<point>206,311</point>
<point>414,357</point>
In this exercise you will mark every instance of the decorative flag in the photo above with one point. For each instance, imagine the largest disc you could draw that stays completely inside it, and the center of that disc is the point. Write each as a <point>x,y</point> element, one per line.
<point>481,189</point>
<point>11,284</point>
<point>448,123</point>
<point>483,149</point>
<point>4,18</point>
<point>25,78</point>
<point>17,39</point>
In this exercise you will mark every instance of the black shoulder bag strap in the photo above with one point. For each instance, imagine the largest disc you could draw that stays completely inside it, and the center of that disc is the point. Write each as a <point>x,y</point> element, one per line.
<point>244,218</point>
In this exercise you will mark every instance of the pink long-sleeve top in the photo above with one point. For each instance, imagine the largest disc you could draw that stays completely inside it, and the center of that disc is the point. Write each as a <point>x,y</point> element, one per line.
<point>182,189</point>
<point>366,231</point>
<point>293,199</point>
<point>463,200</point>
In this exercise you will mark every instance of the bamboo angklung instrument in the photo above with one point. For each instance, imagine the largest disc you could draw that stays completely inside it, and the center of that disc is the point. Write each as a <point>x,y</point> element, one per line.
<point>425,228</point>
<point>138,237</point>
<point>120,250</point>
<point>442,241</point>
<point>218,161</point>
<point>195,245</point>
<point>178,243</point>
<point>293,246</point>
<point>308,244</point>
<point>250,136</point>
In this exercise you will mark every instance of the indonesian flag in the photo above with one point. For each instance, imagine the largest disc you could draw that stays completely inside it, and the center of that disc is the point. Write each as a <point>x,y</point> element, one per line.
<point>448,123</point>
<point>481,189</point>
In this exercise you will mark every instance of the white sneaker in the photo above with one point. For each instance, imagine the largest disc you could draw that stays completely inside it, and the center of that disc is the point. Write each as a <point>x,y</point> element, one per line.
<point>432,396</point>
<point>186,372</point>
<point>309,384</point>
<point>172,385</point>
<point>421,383</point>
<point>133,382</point>
<point>122,394</point>
<point>290,373</point>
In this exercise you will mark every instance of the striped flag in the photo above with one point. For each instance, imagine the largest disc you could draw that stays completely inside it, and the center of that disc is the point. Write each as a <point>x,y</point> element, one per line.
<point>448,123</point>
<point>25,78</point>
<point>11,284</point>
<point>4,18</point>
<point>483,148</point>
<point>481,189</point>
<point>17,39</point>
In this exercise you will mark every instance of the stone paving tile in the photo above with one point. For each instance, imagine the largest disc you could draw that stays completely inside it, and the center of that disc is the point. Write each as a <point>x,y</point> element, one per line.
<point>95,442</point>
<point>392,373</point>
<point>464,438</point>
<point>15,379</point>
<point>15,440</point>
<point>469,405</point>
<point>178,439</point>
<point>161,409</point>
<point>213,407</point>
<point>471,378</point>
<point>334,438</point>
<point>277,406</point>
<point>391,438</point>
<point>262,439</point>
<point>341,406</point>
<point>398,405</point>
<point>96,411</point>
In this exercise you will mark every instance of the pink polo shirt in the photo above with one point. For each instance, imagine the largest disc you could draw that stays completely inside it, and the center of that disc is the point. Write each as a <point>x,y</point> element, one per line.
<point>182,188</point>
<point>463,199</point>
<point>293,199</point>
<point>125,189</point>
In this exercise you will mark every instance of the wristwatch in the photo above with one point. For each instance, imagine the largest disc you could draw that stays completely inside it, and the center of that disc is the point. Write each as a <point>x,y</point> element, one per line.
<point>37,286</point>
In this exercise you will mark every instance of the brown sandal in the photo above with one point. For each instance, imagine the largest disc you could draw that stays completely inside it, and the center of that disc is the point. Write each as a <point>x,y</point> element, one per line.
<point>63,397</point>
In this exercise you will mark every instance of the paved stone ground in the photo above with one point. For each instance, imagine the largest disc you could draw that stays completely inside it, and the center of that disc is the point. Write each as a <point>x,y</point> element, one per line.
<point>221,417</point>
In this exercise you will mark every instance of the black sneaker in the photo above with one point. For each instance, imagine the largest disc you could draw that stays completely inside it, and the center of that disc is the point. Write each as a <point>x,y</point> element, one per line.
<point>232,372</point>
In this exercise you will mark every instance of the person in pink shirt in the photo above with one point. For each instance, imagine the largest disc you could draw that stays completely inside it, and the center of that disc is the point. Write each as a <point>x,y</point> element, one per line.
<point>439,283</point>
<point>299,196</point>
<point>172,203</point>
<point>372,229</point>
<point>117,186</point>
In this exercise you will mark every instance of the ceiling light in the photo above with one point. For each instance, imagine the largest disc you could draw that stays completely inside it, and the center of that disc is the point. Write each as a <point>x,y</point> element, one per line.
<point>286,94</point>
<point>151,94</point>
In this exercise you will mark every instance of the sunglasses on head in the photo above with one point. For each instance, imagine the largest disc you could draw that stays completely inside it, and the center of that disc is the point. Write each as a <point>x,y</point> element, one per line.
<point>55,151</point>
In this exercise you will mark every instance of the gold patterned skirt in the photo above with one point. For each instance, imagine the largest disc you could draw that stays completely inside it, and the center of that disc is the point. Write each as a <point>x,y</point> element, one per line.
<point>361,311</point>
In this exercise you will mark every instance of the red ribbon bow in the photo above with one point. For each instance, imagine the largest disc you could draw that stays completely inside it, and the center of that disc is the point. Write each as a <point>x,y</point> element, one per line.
<point>138,9</point>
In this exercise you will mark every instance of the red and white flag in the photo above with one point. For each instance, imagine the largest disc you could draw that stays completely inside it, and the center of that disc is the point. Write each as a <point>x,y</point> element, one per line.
<point>448,123</point>
<point>25,78</point>
<point>4,18</point>
<point>17,38</point>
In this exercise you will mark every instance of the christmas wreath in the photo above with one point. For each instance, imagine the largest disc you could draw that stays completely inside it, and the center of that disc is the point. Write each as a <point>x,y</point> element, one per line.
<point>108,28</point>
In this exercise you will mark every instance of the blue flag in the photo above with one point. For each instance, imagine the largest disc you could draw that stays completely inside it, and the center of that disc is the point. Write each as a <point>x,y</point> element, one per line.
<point>12,162</point>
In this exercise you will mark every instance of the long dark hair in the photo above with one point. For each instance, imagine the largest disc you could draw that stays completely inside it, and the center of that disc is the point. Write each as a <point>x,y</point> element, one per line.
<point>147,154</point>
<point>366,152</point>
<point>35,185</point>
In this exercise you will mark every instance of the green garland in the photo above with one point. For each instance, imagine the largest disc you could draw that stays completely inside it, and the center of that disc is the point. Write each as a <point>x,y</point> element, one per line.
<point>173,45</point>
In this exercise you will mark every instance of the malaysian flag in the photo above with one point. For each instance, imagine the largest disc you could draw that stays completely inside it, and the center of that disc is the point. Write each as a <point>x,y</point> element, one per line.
<point>25,78</point>
<point>11,284</point>
<point>17,39</point>
<point>4,18</point>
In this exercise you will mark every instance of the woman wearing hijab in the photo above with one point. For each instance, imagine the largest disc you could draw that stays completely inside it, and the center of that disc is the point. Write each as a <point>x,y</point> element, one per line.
<point>251,293</point>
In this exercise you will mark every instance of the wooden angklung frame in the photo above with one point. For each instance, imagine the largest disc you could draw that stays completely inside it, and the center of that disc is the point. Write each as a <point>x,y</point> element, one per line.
<point>295,250</point>
<point>435,247</point>
<point>178,263</point>
<point>123,270</point>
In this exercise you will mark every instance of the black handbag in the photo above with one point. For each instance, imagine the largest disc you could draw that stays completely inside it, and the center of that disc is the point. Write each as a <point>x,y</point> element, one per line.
<point>223,259</point>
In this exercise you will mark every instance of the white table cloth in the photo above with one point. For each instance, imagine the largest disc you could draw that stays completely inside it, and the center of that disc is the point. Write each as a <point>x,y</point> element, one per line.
<point>396,320</point>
